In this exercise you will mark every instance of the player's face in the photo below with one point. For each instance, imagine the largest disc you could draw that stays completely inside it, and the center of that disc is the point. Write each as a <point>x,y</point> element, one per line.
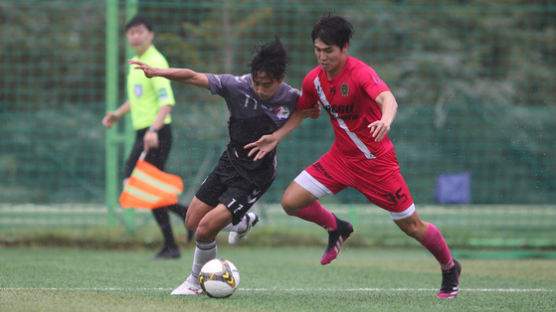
<point>265,86</point>
<point>330,57</point>
<point>140,38</point>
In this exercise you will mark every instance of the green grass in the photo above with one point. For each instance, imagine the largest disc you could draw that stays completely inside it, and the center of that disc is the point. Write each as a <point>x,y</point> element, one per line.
<point>272,279</point>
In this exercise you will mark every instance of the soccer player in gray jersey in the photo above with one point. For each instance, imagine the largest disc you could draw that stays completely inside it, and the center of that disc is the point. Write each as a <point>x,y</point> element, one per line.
<point>259,103</point>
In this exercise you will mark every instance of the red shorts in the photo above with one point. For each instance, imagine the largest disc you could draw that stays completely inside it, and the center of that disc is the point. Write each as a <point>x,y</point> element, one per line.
<point>379,179</point>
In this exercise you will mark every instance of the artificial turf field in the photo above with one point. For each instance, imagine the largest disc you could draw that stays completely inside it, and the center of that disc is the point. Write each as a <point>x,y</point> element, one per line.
<point>272,279</point>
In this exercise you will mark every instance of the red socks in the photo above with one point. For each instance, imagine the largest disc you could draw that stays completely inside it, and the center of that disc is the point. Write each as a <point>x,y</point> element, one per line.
<point>435,243</point>
<point>433,240</point>
<point>316,213</point>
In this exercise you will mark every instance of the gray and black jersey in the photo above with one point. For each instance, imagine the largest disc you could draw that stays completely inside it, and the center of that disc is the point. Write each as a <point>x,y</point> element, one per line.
<point>251,118</point>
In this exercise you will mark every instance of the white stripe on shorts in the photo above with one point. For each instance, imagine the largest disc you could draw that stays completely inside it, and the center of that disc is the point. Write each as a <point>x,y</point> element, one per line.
<point>404,214</point>
<point>312,185</point>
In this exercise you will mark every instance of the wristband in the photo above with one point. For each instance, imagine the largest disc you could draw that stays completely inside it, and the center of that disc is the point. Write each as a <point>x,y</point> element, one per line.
<point>153,129</point>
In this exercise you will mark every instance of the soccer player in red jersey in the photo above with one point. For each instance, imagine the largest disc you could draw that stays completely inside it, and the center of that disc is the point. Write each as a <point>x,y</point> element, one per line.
<point>361,109</point>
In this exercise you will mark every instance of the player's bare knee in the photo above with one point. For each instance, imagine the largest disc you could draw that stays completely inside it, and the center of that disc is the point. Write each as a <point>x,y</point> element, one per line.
<point>204,233</point>
<point>288,205</point>
<point>289,212</point>
<point>190,223</point>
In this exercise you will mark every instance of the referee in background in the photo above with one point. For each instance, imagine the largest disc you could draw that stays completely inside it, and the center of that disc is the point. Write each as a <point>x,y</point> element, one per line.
<point>150,102</point>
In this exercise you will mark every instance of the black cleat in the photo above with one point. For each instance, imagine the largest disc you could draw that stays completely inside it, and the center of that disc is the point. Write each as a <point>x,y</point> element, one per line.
<point>335,240</point>
<point>450,282</point>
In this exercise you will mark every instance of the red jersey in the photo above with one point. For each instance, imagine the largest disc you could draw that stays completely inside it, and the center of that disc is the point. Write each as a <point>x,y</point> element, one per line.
<point>349,99</point>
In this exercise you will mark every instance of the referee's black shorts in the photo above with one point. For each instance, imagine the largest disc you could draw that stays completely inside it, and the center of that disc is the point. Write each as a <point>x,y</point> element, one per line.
<point>155,156</point>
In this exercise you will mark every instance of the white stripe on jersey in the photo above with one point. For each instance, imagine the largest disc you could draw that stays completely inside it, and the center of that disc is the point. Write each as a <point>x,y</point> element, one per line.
<point>360,145</point>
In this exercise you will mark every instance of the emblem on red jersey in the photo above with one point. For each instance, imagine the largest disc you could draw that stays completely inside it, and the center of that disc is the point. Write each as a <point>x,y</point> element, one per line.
<point>345,89</point>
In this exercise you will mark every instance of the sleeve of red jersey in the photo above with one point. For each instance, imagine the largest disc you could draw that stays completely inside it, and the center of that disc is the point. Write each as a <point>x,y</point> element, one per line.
<point>308,96</point>
<point>372,84</point>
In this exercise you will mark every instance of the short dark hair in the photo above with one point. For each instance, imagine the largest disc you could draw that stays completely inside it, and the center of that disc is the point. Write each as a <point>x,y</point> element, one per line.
<point>270,58</point>
<point>333,30</point>
<point>139,20</point>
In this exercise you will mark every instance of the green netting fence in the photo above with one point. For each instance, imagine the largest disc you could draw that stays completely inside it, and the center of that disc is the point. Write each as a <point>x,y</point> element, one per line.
<point>475,83</point>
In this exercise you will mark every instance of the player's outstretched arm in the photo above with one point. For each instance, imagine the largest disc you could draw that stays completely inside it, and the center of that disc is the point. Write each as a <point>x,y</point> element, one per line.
<point>389,106</point>
<point>183,75</point>
<point>268,142</point>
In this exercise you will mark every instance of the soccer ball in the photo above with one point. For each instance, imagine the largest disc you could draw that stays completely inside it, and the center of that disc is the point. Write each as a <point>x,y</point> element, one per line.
<point>219,278</point>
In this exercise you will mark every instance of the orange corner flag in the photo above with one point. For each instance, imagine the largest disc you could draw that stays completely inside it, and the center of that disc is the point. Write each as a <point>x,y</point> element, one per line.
<point>148,188</point>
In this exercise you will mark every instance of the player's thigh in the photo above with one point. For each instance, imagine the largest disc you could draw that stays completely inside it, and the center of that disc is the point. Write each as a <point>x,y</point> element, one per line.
<point>196,211</point>
<point>212,222</point>
<point>296,197</point>
<point>323,177</point>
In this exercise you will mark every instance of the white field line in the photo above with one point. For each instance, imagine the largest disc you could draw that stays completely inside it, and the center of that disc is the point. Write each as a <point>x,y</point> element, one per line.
<point>495,290</point>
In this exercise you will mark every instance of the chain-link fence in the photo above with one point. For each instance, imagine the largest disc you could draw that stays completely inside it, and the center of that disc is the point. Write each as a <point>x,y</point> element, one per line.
<point>474,80</point>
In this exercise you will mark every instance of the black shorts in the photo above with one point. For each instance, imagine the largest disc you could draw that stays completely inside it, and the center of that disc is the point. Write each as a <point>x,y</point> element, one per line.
<point>225,185</point>
<point>155,156</point>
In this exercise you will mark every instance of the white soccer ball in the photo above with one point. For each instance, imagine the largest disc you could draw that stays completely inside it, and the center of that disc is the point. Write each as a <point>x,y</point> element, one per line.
<point>219,278</point>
